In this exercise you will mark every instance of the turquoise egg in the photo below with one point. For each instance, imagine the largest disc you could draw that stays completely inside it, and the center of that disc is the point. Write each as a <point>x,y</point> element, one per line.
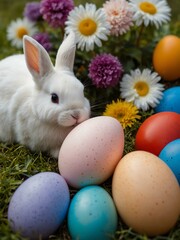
<point>170,154</point>
<point>92,214</point>
<point>170,101</point>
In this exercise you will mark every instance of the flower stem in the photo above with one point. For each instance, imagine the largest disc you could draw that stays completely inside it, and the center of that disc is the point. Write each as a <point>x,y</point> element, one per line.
<point>139,35</point>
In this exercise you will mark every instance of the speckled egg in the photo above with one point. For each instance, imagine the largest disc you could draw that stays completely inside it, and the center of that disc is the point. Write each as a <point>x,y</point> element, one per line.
<point>39,205</point>
<point>91,151</point>
<point>92,215</point>
<point>146,193</point>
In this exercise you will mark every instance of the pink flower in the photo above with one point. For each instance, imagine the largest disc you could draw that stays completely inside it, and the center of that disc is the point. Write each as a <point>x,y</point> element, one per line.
<point>119,15</point>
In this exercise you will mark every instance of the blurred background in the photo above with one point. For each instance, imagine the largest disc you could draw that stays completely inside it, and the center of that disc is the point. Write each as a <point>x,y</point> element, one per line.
<point>10,10</point>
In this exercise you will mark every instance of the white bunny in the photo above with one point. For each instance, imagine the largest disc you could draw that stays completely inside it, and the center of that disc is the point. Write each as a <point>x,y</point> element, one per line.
<point>39,103</point>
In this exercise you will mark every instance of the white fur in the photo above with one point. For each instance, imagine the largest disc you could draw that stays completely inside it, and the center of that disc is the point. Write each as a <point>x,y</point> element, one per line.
<point>27,114</point>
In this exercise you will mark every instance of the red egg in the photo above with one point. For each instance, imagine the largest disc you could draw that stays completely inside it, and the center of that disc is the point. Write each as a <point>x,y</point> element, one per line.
<point>157,131</point>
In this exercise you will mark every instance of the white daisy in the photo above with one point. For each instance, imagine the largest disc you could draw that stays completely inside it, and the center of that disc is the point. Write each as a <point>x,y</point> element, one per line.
<point>142,88</point>
<point>148,12</point>
<point>17,29</point>
<point>89,24</point>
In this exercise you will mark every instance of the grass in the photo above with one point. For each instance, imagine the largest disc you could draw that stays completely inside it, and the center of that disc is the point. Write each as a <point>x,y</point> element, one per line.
<point>17,162</point>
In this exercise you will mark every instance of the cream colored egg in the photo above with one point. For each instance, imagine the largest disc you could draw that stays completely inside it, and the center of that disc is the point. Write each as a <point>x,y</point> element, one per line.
<point>146,193</point>
<point>91,151</point>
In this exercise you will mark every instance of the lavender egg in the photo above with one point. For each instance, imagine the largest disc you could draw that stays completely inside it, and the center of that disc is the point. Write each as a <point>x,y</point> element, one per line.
<point>39,205</point>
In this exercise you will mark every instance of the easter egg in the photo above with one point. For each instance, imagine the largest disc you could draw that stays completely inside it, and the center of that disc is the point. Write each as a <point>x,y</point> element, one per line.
<point>146,193</point>
<point>92,214</point>
<point>39,205</point>
<point>91,151</point>
<point>166,57</point>
<point>171,156</point>
<point>170,101</point>
<point>157,131</point>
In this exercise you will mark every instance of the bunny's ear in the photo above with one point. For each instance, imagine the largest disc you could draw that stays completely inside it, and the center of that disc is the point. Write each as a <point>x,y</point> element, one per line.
<point>37,59</point>
<point>66,53</point>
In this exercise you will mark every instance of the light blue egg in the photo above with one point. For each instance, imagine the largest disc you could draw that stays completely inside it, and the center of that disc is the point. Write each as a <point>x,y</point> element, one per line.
<point>39,205</point>
<point>170,101</point>
<point>92,215</point>
<point>170,154</point>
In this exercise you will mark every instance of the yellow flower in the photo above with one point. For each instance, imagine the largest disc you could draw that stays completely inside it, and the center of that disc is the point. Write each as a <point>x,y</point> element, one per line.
<point>125,112</point>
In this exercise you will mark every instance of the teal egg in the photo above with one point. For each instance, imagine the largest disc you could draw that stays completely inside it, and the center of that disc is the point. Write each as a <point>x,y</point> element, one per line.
<point>92,214</point>
<point>170,101</point>
<point>170,154</point>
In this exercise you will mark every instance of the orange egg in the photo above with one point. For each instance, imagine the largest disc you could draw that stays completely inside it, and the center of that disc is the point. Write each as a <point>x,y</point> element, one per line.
<point>166,57</point>
<point>146,193</point>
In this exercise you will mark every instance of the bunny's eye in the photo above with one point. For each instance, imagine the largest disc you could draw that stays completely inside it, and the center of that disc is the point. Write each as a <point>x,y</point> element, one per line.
<point>54,98</point>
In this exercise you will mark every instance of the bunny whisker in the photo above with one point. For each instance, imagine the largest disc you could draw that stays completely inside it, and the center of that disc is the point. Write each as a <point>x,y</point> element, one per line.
<point>87,83</point>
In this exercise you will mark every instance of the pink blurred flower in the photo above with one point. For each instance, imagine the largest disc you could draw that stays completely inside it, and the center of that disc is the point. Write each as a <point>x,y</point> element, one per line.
<point>119,15</point>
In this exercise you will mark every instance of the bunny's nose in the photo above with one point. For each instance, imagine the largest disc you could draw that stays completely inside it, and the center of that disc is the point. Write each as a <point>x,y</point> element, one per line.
<point>75,115</point>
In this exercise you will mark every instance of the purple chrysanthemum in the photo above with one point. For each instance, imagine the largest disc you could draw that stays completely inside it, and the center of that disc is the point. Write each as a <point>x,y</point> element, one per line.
<point>105,70</point>
<point>55,12</point>
<point>32,11</point>
<point>44,40</point>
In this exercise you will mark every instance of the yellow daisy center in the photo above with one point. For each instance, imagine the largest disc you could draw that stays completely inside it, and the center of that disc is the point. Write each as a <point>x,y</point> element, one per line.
<point>142,88</point>
<point>148,7</point>
<point>87,27</point>
<point>21,32</point>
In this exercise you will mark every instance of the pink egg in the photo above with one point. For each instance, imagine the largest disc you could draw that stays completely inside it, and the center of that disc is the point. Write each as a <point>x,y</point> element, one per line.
<point>91,151</point>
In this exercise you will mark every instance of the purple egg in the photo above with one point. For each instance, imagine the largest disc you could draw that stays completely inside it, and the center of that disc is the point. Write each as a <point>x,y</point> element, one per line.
<point>39,205</point>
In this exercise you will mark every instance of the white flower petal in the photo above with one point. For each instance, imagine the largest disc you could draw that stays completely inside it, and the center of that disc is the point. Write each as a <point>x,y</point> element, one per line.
<point>15,26</point>
<point>162,15</point>
<point>129,93</point>
<point>89,11</point>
